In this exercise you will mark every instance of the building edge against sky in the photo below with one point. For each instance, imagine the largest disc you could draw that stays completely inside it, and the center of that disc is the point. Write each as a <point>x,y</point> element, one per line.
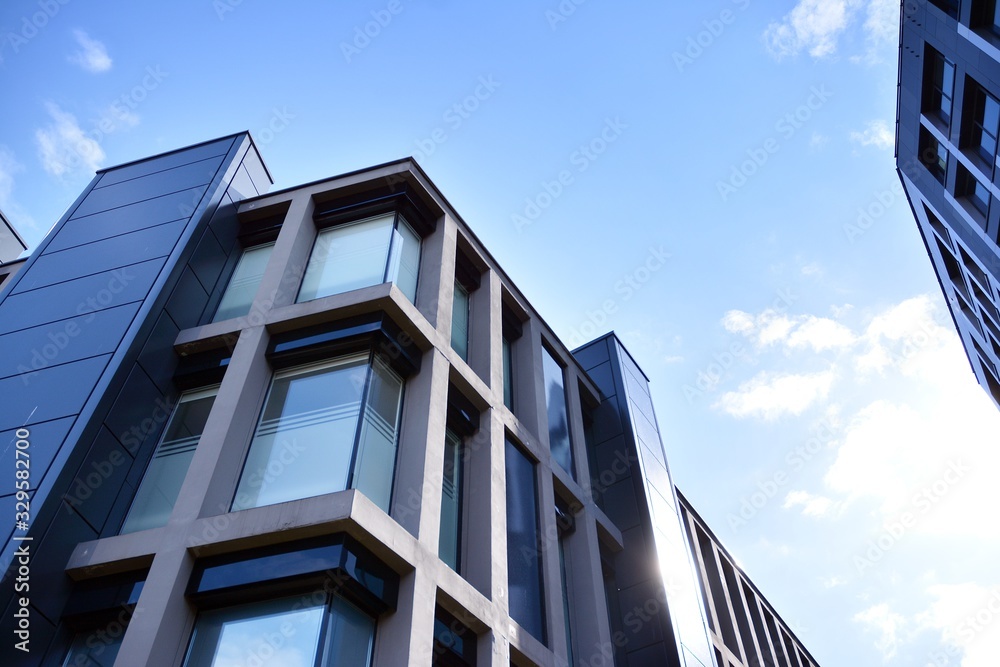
<point>948,121</point>
<point>182,348</point>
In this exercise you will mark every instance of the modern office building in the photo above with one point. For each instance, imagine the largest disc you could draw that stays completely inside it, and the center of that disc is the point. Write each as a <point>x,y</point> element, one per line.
<point>321,426</point>
<point>11,243</point>
<point>948,121</point>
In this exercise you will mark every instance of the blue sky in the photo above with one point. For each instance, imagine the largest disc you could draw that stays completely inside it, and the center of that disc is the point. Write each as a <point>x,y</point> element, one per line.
<point>712,180</point>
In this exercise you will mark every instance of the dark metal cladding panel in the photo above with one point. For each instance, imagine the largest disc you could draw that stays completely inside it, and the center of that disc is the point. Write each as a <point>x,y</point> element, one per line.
<point>168,161</point>
<point>196,174</point>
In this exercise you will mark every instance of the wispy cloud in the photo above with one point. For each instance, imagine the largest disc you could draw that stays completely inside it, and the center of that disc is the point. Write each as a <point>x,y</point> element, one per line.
<point>887,625</point>
<point>8,167</point>
<point>770,396</point>
<point>63,146</point>
<point>877,133</point>
<point>811,504</point>
<point>92,56</point>
<point>812,25</point>
<point>816,27</point>
<point>771,327</point>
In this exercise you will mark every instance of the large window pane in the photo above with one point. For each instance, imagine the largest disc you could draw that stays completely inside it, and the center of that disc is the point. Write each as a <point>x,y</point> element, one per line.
<point>524,563</point>
<point>555,400</point>
<point>244,283</point>
<point>274,633</point>
<point>377,443</point>
<point>460,322</point>
<point>449,540</point>
<point>350,636</point>
<point>348,257</point>
<point>90,649</point>
<point>305,438</point>
<point>508,374</point>
<point>404,262</point>
<point>160,486</point>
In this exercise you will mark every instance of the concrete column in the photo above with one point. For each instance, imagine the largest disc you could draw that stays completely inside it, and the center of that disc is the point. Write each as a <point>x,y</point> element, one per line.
<point>498,514</point>
<point>529,384</point>
<point>211,480</point>
<point>416,503</point>
<point>162,614</point>
<point>574,413</point>
<point>555,622</point>
<point>588,606</point>
<point>406,637</point>
<point>437,273</point>
<point>280,284</point>
<point>484,472</point>
<point>484,313</point>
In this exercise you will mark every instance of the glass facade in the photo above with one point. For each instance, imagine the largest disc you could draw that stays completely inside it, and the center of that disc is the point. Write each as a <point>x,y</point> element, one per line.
<point>317,421</point>
<point>283,632</point>
<point>460,321</point>
<point>161,484</point>
<point>555,402</point>
<point>359,254</point>
<point>244,283</point>
<point>449,538</point>
<point>524,562</point>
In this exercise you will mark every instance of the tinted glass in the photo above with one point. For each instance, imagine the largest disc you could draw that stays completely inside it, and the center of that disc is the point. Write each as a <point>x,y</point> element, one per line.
<point>376,458</point>
<point>244,283</point>
<point>348,257</point>
<point>555,400</point>
<point>524,563</point>
<point>460,322</point>
<point>451,502</point>
<point>305,437</point>
<point>160,486</point>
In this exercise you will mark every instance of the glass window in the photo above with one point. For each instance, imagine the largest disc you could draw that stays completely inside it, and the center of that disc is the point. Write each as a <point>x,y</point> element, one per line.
<point>454,643</point>
<point>973,190</point>
<point>940,88</point>
<point>94,649</point>
<point>368,252</point>
<point>317,420</point>
<point>508,374</point>
<point>949,7</point>
<point>449,539</point>
<point>555,400</point>
<point>460,321</point>
<point>160,486</point>
<point>566,525</point>
<point>283,633</point>
<point>524,563</point>
<point>243,285</point>
<point>933,155</point>
<point>985,121</point>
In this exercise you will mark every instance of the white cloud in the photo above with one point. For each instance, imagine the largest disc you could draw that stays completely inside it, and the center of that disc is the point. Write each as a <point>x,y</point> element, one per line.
<point>63,146</point>
<point>813,26</point>
<point>818,141</point>
<point>812,505</point>
<point>887,624</point>
<point>93,56</point>
<point>958,612</point>
<point>877,133</point>
<point>8,167</point>
<point>770,396</point>
<point>816,26</point>
<point>737,321</point>
<point>821,333</point>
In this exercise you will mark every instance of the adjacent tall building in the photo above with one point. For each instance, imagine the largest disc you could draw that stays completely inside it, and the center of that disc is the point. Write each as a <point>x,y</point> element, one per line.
<point>321,426</point>
<point>948,123</point>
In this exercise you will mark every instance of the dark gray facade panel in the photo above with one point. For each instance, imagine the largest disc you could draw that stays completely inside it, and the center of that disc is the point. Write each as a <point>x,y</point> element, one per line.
<point>28,351</point>
<point>122,220</point>
<point>157,357</point>
<point>163,162</point>
<point>254,165</point>
<point>178,179</point>
<point>98,482</point>
<point>101,256</point>
<point>188,300</point>
<point>85,295</point>
<point>139,412</point>
<point>53,393</point>
<point>208,260</point>
<point>41,458</point>
<point>242,186</point>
